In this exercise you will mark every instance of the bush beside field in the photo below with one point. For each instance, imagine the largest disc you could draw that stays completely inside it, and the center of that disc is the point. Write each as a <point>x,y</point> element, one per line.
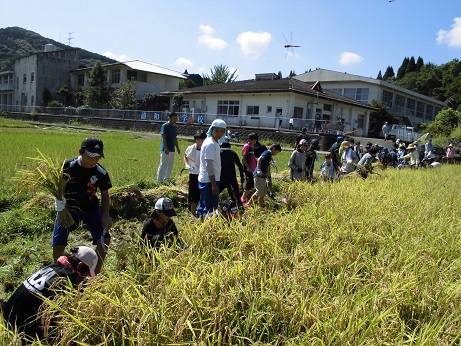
<point>373,261</point>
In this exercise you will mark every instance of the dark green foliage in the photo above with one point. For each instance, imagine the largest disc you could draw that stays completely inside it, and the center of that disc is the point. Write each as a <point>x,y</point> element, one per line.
<point>389,73</point>
<point>17,42</point>
<point>66,95</point>
<point>419,64</point>
<point>124,97</point>
<point>149,102</point>
<point>411,66</point>
<point>219,74</point>
<point>177,101</point>
<point>378,118</point>
<point>380,76</point>
<point>97,95</point>
<point>403,68</point>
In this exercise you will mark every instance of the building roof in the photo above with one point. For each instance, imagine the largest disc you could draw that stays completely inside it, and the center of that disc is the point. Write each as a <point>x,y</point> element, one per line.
<point>334,76</point>
<point>282,85</point>
<point>142,66</point>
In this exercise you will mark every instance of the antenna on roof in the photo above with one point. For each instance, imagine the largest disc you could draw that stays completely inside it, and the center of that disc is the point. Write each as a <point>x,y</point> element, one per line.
<point>69,39</point>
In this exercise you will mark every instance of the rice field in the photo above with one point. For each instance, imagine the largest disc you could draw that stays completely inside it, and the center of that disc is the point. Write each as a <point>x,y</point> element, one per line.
<point>358,262</point>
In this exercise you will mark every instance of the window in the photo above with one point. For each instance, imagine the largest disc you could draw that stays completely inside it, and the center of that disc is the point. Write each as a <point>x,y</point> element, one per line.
<point>132,75</point>
<point>253,110</point>
<point>362,94</point>
<point>360,121</point>
<point>185,104</point>
<point>115,76</point>
<point>359,94</point>
<point>81,80</point>
<point>336,91</point>
<point>298,112</point>
<point>24,78</point>
<point>32,77</point>
<point>388,97</point>
<point>420,109</point>
<point>411,105</point>
<point>399,101</point>
<point>228,107</point>
<point>429,112</point>
<point>17,82</point>
<point>32,100</point>
<point>327,108</point>
<point>269,109</point>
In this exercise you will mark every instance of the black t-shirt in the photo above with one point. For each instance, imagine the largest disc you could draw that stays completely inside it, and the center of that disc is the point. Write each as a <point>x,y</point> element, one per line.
<point>229,159</point>
<point>83,183</point>
<point>156,236</point>
<point>22,307</point>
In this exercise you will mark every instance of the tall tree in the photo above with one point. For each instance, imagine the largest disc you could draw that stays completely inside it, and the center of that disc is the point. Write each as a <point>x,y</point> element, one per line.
<point>97,95</point>
<point>65,94</point>
<point>389,74</point>
<point>380,76</point>
<point>124,97</point>
<point>403,68</point>
<point>419,64</point>
<point>220,74</point>
<point>411,67</point>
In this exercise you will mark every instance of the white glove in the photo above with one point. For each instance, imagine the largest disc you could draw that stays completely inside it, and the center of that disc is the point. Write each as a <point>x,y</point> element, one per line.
<point>189,167</point>
<point>59,204</point>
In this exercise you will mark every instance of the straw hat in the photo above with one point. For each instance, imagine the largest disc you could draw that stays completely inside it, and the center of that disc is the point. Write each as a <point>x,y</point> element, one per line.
<point>346,144</point>
<point>411,146</point>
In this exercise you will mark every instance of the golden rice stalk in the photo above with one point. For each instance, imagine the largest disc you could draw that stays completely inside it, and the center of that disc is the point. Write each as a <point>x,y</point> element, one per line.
<point>45,176</point>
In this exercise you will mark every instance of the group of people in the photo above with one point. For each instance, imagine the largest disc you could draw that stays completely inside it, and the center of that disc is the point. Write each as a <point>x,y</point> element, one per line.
<point>212,168</point>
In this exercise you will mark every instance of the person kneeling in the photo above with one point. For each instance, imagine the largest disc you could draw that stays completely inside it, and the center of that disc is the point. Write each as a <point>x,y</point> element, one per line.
<point>159,228</point>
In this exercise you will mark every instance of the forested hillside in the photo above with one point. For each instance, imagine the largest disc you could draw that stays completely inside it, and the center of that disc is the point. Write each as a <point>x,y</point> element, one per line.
<point>17,42</point>
<point>440,82</point>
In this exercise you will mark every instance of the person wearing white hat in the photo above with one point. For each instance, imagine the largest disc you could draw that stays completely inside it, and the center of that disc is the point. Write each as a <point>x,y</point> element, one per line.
<point>210,168</point>
<point>21,310</point>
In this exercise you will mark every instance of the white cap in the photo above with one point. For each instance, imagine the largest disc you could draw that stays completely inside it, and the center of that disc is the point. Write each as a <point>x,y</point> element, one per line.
<point>88,256</point>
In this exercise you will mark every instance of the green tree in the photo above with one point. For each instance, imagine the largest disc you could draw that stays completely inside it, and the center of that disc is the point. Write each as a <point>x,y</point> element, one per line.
<point>411,66</point>
<point>445,122</point>
<point>419,64</point>
<point>389,74</point>
<point>149,102</point>
<point>380,76</point>
<point>220,74</point>
<point>177,101</point>
<point>403,68</point>
<point>97,95</point>
<point>186,84</point>
<point>65,94</point>
<point>378,118</point>
<point>124,97</point>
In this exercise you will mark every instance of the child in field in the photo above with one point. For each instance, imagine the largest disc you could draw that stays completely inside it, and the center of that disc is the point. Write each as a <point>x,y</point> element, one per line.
<point>297,161</point>
<point>192,163</point>
<point>329,169</point>
<point>82,177</point>
<point>159,228</point>
<point>228,180</point>
<point>210,169</point>
<point>263,173</point>
<point>21,311</point>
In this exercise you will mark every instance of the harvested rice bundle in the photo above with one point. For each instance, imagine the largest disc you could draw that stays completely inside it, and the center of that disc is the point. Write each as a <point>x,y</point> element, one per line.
<point>47,175</point>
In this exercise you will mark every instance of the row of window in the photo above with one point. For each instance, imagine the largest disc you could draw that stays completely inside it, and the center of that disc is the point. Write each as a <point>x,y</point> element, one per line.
<point>402,103</point>
<point>24,79</point>
<point>115,77</point>
<point>359,94</point>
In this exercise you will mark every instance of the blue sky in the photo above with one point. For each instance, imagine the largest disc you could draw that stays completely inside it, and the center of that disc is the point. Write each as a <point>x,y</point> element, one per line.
<point>354,36</point>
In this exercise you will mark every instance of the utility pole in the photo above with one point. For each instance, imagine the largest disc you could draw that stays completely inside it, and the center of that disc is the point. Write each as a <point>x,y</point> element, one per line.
<point>69,39</point>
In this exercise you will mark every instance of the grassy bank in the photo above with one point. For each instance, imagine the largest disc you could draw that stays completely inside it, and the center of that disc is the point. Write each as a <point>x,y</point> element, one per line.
<point>360,262</point>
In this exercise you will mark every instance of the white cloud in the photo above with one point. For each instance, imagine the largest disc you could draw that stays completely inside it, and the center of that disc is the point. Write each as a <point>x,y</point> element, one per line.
<point>121,57</point>
<point>183,63</point>
<point>453,37</point>
<point>348,58</point>
<point>206,38</point>
<point>253,44</point>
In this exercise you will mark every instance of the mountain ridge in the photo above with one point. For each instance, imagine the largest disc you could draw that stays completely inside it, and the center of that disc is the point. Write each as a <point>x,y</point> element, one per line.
<point>17,42</point>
